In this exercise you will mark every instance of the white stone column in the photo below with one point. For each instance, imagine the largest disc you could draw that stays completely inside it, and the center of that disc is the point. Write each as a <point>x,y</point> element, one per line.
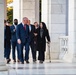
<point>49,16</point>
<point>2,61</point>
<point>45,11</point>
<point>37,10</point>
<point>5,11</point>
<point>17,10</point>
<point>26,8</point>
<point>71,56</point>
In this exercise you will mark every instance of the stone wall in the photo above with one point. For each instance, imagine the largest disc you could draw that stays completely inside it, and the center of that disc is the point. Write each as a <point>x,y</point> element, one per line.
<point>26,8</point>
<point>29,9</point>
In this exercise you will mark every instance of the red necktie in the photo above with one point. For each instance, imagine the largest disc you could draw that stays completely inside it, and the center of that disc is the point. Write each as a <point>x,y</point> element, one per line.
<point>25,27</point>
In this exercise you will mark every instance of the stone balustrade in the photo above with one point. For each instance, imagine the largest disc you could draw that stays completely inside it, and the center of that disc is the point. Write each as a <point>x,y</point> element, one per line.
<point>63,46</point>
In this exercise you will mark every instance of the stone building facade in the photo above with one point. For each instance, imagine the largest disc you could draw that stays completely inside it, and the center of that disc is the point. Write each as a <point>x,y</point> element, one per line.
<point>59,16</point>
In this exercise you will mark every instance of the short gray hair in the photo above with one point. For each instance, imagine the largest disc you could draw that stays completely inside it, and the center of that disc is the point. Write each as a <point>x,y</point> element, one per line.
<point>25,18</point>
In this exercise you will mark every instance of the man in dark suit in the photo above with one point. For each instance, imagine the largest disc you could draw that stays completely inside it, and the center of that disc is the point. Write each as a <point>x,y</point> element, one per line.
<point>22,35</point>
<point>7,44</point>
<point>14,41</point>
<point>31,40</point>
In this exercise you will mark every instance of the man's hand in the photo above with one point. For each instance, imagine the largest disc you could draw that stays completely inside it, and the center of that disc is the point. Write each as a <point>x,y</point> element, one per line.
<point>19,41</point>
<point>35,34</point>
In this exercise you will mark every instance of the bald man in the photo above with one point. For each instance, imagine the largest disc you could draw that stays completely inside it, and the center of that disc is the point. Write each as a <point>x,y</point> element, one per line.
<point>22,34</point>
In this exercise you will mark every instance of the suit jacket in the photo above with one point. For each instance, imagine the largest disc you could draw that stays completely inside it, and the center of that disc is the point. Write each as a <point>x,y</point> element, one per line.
<point>13,33</point>
<point>21,33</point>
<point>31,33</point>
<point>7,36</point>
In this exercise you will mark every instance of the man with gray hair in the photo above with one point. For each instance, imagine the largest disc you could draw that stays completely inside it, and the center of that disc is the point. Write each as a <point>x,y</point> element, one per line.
<point>22,35</point>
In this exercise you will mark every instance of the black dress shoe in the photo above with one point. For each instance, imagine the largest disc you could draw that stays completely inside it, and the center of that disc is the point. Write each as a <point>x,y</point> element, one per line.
<point>27,61</point>
<point>14,60</point>
<point>34,61</point>
<point>22,62</point>
<point>41,61</point>
<point>18,60</point>
<point>8,60</point>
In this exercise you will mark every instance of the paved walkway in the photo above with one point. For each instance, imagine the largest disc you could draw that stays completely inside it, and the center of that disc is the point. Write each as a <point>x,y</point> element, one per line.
<point>54,68</point>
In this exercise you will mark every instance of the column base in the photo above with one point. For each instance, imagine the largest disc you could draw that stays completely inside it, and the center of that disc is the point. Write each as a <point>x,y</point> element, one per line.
<point>3,66</point>
<point>70,57</point>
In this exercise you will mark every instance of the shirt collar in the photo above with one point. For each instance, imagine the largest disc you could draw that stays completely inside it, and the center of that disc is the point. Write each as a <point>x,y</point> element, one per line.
<point>23,24</point>
<point>14,25</point>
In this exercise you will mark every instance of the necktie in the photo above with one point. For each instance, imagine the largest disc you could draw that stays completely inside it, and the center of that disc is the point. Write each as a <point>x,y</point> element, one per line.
<point>25,27</point>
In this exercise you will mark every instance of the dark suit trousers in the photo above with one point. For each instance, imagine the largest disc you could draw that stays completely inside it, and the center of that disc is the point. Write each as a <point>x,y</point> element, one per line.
<point>7,51</point>
<point>33,49</point>
<point>21,46</point>
<point>14,46</point>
